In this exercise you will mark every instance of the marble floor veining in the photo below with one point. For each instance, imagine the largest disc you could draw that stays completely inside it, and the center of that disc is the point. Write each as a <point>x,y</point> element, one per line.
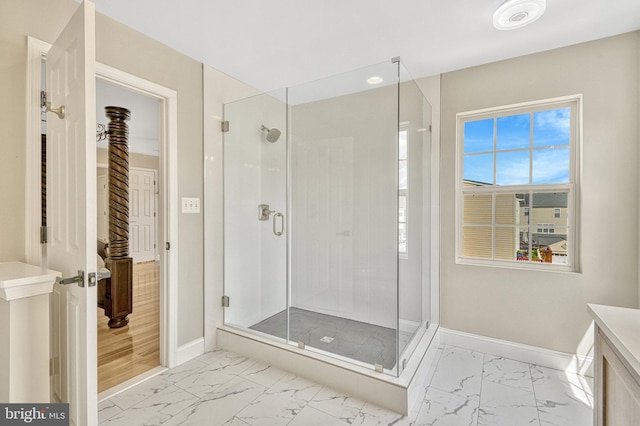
<point>467,388</point>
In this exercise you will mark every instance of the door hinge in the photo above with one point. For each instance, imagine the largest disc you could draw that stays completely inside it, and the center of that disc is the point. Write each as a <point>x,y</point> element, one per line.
<point>224,126</point>
<point>43,235</point>
<point>225,301</point>
<point>50,367</point>
<point>167,245</point>
<point>430,129</point>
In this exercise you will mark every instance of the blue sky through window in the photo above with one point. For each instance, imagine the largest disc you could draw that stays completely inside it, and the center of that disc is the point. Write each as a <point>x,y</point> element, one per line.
<point>518,159</point>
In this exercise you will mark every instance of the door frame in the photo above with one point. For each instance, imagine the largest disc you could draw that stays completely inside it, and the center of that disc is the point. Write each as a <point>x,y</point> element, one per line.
<point>168,191</point>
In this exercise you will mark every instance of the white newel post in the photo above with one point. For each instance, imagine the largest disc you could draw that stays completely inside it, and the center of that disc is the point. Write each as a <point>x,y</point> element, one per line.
<point>24,332</point>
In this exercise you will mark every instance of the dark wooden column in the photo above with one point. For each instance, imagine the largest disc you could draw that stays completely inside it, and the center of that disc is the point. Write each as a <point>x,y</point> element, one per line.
<point>119,292</point>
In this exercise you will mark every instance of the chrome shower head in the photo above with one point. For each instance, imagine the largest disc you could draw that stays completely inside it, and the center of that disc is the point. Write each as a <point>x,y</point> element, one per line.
<point>272,134</point>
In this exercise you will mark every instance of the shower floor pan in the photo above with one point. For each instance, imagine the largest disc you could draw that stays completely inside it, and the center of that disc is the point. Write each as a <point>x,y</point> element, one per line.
<point>358,340</point>
<point>400,394</point>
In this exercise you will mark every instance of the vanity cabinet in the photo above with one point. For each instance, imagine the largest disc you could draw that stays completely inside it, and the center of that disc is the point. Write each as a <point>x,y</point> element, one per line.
<point>617,366</point>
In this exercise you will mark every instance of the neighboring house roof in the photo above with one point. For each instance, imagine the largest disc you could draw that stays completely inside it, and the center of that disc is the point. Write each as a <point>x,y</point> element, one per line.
<point>546,199</point>
<point>559,248</point>
<point>548,239</point>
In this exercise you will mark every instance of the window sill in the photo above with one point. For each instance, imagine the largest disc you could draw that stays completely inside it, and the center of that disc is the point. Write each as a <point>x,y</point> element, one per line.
<point>518,265</point>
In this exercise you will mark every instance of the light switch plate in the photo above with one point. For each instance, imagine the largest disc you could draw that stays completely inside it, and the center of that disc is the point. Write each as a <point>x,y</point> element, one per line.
<point>190,205</point>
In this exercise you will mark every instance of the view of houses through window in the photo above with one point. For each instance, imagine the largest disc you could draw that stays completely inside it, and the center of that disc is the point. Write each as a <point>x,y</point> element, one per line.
<point>517,184</point>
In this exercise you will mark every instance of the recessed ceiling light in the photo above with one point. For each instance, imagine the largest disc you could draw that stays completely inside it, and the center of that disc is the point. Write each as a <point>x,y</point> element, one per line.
<point>514,14</point>
<point>374,80</point>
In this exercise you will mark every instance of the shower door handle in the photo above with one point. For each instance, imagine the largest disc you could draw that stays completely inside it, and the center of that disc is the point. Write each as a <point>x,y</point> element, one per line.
<point>275,220</point>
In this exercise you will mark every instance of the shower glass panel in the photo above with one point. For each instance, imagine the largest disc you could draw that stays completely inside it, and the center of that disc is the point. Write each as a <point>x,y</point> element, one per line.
<point>326,216</point>
<point>255,173</point>
<point>414,189</point>
<point>343,213</point>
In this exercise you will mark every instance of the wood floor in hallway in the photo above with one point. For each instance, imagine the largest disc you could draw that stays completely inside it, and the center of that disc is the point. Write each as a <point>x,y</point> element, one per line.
<point>126,352</point>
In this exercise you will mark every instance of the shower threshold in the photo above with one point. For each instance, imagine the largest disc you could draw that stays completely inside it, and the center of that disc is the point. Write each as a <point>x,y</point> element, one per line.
<point>398,393</point>
<point>361,341</point>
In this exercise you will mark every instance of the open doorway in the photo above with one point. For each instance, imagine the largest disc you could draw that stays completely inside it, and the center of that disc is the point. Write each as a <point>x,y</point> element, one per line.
<point>133,349</point>
<point>166,207</point>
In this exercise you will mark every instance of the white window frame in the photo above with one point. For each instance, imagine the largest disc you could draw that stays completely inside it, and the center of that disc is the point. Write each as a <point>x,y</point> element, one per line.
<point>572,187</point>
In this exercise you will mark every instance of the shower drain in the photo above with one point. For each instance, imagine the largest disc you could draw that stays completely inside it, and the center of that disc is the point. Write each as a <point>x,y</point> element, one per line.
<point>327,339</point>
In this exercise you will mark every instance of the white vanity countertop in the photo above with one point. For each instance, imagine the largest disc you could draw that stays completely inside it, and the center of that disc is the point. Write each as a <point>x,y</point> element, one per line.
<point>19,280</point>
<point>622,327</point>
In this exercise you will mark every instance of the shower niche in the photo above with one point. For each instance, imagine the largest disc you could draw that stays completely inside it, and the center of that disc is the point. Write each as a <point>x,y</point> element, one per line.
<point>327,231</point>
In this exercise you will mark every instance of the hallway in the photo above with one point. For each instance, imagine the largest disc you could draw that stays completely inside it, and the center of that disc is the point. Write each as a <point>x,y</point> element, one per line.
<point>124,353</point>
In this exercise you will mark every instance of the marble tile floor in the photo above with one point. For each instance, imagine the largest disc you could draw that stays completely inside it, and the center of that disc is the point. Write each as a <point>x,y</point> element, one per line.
<point>467,388</point>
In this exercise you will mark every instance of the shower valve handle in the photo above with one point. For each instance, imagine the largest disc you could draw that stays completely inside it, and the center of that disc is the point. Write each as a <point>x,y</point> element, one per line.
<point>264,212</point>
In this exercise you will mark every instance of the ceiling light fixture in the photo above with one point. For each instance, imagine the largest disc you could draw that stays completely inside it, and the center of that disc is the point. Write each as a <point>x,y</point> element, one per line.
<point>514,14</point>
<point>374,80</point>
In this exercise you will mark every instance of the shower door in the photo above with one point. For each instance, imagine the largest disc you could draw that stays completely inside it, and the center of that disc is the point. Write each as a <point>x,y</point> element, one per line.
<point>343,133</point>
<point>255,247</point>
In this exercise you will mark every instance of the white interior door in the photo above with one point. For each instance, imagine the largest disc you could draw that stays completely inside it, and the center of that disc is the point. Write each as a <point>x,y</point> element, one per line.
<point>142,222</point>
<point>71,210</point>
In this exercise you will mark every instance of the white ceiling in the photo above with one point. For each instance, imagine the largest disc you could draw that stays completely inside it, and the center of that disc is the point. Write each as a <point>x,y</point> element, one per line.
<point>144,122</point>
<point>270,44</point>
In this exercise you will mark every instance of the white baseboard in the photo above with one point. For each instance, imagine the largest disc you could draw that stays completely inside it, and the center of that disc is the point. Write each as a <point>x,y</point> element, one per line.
<point>571,363</point>
<point>190,350</point>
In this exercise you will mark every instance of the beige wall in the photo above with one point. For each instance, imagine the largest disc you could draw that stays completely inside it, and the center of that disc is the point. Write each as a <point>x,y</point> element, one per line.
<point>129,51</point>
<point>548,309</point>
<point>16,21</point>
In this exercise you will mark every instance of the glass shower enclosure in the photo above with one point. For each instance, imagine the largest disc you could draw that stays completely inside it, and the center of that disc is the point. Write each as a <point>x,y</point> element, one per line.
<point>326,216</point>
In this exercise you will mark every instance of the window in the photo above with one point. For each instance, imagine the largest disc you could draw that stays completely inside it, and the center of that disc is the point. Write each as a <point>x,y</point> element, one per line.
<point>545,228</point>
<point>403,187</point>
<point>517,185</point>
